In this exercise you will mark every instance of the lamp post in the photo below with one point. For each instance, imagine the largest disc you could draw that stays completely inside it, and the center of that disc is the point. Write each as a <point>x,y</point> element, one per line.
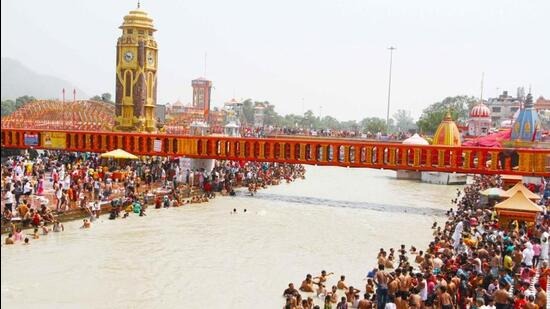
<point>391,48</point>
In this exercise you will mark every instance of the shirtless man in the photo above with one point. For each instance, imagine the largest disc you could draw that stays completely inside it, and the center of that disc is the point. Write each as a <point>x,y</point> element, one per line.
<point>86,224</point>
<point>381,258</point>
<point>531,303</point>
<point>444,298</point>
<point>333,295</point>
<point>341,284</point>
<point>350,294</point>
<point>381,280</point>
<point>419,259</point>
<point>9,239</point>
<point>415,298</point>
<point>364,303</point>
<point>321,290</point>
<point>540,296</point>
<point>291,291</point>
<point>323,277</point>
<point>307,284</point>
<point>501,297</point>
<point>405,283</point>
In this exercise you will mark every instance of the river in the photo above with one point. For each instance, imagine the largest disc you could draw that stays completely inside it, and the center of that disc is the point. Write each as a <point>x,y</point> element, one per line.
<point>201,256</point>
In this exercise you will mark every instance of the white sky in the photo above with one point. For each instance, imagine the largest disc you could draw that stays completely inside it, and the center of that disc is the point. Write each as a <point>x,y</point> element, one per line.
<point>311,53</point>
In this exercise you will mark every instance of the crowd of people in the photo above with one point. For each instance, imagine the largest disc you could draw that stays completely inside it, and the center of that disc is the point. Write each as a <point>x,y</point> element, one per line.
<point>37,191</point>
<point>268,131</point>
<point>472,262</point>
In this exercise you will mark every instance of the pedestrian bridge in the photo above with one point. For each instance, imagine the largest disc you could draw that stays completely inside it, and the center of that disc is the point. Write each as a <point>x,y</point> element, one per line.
<point>293,149</point>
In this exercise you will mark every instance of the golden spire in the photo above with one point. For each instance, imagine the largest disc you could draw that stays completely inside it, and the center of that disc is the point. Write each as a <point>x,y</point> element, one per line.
<point>448,116</point>
<point>138,4</point>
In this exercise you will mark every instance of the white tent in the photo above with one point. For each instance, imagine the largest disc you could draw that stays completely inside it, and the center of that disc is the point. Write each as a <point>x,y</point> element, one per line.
<point>415,140</point>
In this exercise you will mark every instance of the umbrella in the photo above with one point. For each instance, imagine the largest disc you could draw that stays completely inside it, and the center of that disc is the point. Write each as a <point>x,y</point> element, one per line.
<point>119,154</point>
<point>493,192</point>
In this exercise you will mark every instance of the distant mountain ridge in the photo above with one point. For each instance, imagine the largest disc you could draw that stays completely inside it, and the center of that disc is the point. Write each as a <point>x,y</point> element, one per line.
<point>18,80</point>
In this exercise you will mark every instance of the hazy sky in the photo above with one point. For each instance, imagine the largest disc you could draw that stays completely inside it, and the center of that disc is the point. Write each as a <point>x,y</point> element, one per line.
<point>297,54</point>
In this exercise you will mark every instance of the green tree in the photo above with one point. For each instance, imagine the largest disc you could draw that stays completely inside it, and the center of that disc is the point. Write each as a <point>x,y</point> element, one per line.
<point>329,122</point>
<point>373,125</point>
<point>247,116</point>
<point>432,116</point>
<point>403,120</point>
<point>350,125</point>
<point>106,97</point>
<point>309,120</point>
<point>8,107</point>
<point>23,100</point>
<point>271,118</point>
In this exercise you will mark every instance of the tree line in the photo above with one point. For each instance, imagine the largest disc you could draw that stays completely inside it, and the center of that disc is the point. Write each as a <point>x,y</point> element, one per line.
<point>402,121</point>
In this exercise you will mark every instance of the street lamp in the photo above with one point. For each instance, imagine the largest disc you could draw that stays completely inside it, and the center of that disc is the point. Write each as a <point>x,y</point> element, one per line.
<point>391,48</point>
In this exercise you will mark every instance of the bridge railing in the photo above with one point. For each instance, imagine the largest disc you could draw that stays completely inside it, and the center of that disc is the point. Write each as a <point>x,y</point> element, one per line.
<point>319,151</point>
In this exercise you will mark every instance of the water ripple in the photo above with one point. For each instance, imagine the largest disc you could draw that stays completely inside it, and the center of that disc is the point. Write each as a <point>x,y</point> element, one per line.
<point>308,200</point>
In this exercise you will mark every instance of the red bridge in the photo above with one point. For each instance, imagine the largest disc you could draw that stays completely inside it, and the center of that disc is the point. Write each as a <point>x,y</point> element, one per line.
<point>84,126</point>
<point>314,151</point>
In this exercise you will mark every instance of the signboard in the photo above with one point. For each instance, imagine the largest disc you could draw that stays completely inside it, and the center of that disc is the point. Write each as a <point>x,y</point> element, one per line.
<point>55,140</point>
<point>157,145</point>
<point>31,139</point>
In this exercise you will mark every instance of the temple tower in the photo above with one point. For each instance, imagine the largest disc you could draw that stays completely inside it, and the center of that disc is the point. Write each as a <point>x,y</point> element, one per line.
<point>136,73</point>
<point>527,127</point>
<point>202,89</point>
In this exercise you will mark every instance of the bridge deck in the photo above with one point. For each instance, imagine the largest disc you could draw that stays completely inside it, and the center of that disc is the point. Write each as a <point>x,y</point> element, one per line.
<point>291,149</point>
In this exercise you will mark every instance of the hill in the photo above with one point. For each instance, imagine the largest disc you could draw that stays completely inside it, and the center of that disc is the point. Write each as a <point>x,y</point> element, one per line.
<point>18,80</point>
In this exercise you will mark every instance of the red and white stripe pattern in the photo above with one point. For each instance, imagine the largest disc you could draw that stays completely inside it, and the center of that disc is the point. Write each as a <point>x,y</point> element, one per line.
<point>480,111</point>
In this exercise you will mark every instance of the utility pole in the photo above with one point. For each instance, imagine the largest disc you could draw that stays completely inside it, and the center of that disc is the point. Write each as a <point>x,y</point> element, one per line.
<point>391,48</point>
<point>63,115</point>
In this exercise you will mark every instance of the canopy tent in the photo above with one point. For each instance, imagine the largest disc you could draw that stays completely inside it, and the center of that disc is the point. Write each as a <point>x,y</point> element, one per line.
<point>518,207</point>
<point>493,192</point>
<point>520,187</point>
<point>119,154</point>
<point>492,140</point>
<point>415,140</point>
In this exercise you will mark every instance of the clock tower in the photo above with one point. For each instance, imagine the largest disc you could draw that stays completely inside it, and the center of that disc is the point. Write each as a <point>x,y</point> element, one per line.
<point>136,73</point>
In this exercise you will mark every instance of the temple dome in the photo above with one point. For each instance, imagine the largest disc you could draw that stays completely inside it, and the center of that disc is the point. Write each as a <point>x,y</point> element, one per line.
<point>138,19</point>
<point>447,133</point>
<point>480,111</point>
<point>527,125</point>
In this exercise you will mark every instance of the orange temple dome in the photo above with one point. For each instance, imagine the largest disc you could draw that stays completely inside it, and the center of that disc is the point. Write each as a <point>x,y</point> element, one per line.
<point>447,133</point>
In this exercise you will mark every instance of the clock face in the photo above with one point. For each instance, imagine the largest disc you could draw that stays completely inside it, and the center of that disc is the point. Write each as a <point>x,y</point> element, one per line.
<point>128,56</point>
<point>150,58</point>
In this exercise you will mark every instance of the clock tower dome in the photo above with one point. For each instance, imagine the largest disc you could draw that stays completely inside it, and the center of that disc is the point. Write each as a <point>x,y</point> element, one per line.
<point>136,73</point>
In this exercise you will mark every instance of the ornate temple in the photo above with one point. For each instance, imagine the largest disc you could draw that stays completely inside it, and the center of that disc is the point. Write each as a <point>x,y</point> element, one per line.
<point>527,126</point>
<point>136,74</point>
<point>479,123</point>
<point>447,133</point>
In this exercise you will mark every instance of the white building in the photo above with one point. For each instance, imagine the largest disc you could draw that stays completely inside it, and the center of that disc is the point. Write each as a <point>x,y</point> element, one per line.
<point>504,106</point>
<point>479,122</point>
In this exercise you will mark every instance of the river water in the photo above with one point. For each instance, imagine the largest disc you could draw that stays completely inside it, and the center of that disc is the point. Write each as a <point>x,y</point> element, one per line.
<point>203,257</point>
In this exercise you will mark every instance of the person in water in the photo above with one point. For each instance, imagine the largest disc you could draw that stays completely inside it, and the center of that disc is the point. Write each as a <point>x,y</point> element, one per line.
<point>58,227</point>
<point>86,224</point>
<point>9,239</point>
<point>35,234</point>
<point>142,212</point>
<point>26,241</point>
